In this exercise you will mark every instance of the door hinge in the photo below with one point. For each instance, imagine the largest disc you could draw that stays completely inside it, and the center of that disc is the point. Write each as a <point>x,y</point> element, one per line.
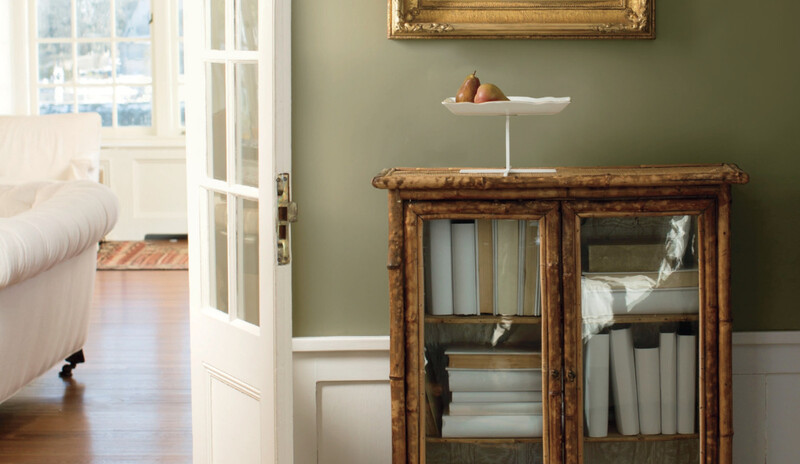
<point>287,214</point>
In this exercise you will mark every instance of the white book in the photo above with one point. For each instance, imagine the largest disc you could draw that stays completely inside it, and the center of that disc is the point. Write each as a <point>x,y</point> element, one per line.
<point>497,397</point>
<point>506,267</point>
<point>465,268</point>
<point>530,302</point>
<point>494,409</point>
<point>669,383</point>
<point>648,390</point>
<point>687,374</point>
<point>595,386</point>
<point>513,426</point>
<point>623,382</point>
<point>481,380</point>
<point>441,267</point>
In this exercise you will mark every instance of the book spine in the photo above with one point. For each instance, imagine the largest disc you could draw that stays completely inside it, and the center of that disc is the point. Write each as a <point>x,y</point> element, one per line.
<point>488,380</point>
<point>506,267</point>
<point>648,390</point>
<point>669,391</point>
<point>529,304</point>
<point>596,358</point>
<point>623,382</point>
<point>485,266</point>
<point>494,409</point>
<point>497,397</point>
<point>521,426</point>
<point>465,268</point>
<point>687,374</point>
<point>441,270</point>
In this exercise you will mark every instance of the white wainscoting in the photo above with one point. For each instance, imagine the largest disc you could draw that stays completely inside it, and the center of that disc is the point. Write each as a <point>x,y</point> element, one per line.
<point>150,182</point>
<point>342,400</point>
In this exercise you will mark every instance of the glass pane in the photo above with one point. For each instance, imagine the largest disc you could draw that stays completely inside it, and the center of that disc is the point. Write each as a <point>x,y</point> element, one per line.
<point>483,341</point>
<point>56,100</point>
<point>247,250</point>
<point>180,59</point>
<point>53,17</point>
<point>217,144</point>
<point>55,63</point>
<point>93,18</point>
<point>135,106</point>
<point>94,63</point>
<point>97,100</point>
<point>246,24</point>
<point>180,18</point>
<point>134,63</point>
<point>182,103</point>
<point>133,18</point>
<point>218,251</point>
<point>247,124</point>
<point>216,26</point>
<point>640,314</point>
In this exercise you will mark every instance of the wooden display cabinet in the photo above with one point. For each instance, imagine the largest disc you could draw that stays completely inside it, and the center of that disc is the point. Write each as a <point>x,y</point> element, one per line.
<point>581,316</point>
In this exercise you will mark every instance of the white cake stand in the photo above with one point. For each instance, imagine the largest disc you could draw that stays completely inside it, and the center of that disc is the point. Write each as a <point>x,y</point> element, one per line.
<point>516,106</point>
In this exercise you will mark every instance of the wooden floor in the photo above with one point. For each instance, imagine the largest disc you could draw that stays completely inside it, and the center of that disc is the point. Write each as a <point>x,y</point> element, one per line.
<point>130,401</point>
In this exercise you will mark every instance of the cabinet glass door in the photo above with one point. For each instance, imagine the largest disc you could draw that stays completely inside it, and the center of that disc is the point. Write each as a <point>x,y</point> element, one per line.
<point>639,290</point>
<point>481,373</point>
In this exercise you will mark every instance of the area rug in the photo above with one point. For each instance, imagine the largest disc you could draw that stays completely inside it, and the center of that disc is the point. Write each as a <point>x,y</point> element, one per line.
<point>143,255</point>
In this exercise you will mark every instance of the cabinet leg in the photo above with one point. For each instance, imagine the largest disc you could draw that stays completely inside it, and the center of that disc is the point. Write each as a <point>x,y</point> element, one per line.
<point>74,359</point>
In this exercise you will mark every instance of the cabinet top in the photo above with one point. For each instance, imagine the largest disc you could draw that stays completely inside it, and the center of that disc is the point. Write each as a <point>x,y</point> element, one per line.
<point>564,177</point>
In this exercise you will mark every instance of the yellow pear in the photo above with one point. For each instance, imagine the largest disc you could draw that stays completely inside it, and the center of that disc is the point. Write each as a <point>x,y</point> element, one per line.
<point>489,92</point>
<point>466,93</point>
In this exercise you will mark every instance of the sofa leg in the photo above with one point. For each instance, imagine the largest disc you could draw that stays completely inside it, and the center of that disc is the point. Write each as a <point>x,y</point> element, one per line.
<point>74,359</point>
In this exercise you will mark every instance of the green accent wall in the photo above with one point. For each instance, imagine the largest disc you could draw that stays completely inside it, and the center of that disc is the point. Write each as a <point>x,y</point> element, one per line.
<point>718,84</point>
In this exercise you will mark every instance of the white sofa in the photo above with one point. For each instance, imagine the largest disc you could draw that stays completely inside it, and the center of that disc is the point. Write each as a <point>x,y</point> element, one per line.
<point>52,215</point>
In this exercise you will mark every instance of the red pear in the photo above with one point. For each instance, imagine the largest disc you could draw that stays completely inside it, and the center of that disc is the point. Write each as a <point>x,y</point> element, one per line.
<point>489,92</point>
<point>466,93</point>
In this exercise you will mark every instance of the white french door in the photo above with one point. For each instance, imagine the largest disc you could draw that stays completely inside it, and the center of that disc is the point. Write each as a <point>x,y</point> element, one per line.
<point>238,141</point>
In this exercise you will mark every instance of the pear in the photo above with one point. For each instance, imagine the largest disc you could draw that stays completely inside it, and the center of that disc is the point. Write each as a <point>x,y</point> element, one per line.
<point>489,92</point>
<point>466,93</point>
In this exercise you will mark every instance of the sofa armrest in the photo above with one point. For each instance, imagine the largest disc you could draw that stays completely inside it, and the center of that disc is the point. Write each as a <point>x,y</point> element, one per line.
<point>45,223</point>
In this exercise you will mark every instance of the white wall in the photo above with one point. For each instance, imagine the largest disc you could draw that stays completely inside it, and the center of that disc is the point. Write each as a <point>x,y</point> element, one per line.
<point>13,57</point>
<point>342,400</point>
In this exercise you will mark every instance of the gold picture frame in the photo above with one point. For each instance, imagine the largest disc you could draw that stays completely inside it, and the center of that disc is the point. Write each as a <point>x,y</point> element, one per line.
<point>521,19</point>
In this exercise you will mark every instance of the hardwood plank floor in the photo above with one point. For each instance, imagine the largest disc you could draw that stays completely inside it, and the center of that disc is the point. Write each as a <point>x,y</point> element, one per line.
<point>130,402</point>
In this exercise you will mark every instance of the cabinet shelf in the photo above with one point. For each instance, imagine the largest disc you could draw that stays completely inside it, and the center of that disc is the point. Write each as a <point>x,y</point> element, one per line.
<point>430,319</point>
<point>616,437</point>
<point>484,441</point>
<point>645,318</point>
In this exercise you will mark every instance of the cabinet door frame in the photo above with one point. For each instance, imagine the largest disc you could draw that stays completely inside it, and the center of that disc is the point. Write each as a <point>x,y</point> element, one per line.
<point>407,334</point>
<point>713,265</point>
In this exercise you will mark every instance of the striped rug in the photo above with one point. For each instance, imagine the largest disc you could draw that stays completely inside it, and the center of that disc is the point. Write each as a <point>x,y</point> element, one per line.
<point>143,255</point>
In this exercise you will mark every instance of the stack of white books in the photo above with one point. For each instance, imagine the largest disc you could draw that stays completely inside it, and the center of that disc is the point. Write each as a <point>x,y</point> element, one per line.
<point>496,393</point>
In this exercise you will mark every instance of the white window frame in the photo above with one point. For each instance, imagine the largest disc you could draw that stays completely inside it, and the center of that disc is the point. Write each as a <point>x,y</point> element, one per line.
<point>166,128</point>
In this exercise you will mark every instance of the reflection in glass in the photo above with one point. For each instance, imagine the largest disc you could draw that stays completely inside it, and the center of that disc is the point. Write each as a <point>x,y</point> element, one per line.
<point>216,25</point>
<point>246,24</point>
<point>97,100</point>
<point>247,252</point>
<point>218,251</point>
<point>639,306</point>
<point>56,100</point>
<point>94,63</point>
<point>133,18</point>
<point>55,63</point>
<point>247,123</point>
<point>93,18</point>
<point>134,63</point>
<point>53,18</point>
<point>217,144</point>
<point>134,105</point>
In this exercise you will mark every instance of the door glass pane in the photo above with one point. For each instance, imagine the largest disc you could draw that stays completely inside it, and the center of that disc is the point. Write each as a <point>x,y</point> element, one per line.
<point>247,251</point>
<point>218,251</point>
<point>640,314</point>
<point>93,18</point>
<point>133,18</point>
<point>217,143</point>
<point>247,123</point>
<point>55,63</point>
<point>246,24</point>
<point>216,24</point>
<point>53,18</point>
<point>483,341</point>
<point>94,63</point>
<point>134,63</point>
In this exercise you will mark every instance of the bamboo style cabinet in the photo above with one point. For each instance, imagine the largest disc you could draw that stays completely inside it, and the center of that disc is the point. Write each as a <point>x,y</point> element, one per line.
<point>581,316</point>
